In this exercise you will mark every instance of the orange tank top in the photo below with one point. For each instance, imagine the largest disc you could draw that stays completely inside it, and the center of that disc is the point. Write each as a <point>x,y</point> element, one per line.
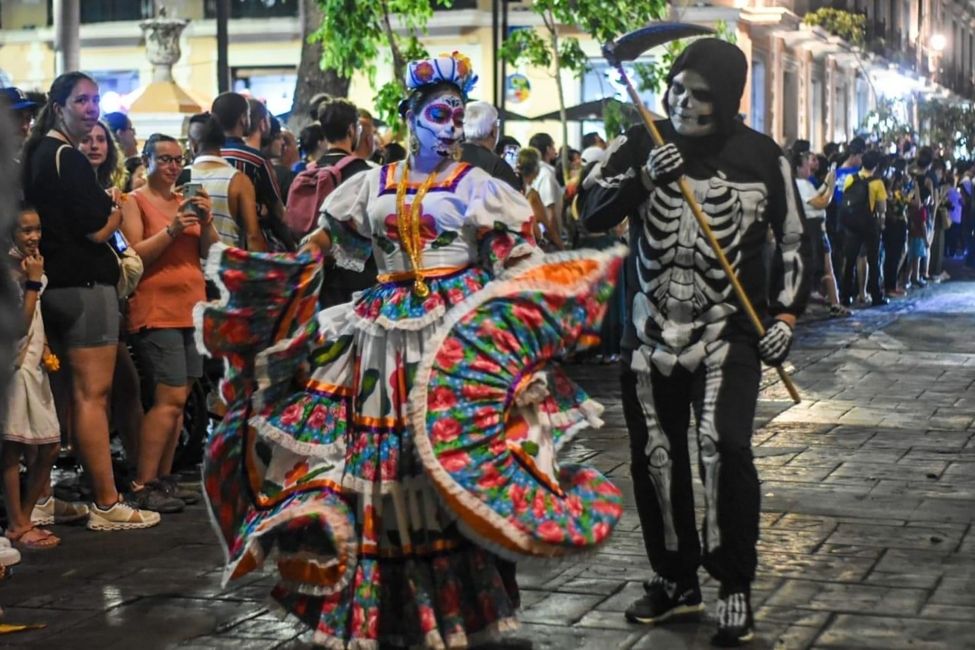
<point>171,285</point>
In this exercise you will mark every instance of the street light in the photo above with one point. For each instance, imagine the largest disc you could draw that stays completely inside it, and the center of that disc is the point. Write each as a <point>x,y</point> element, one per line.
<point>936,48</point>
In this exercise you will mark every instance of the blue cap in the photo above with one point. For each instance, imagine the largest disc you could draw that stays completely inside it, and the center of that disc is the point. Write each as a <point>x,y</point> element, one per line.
<point>116,121</point>
<point>16,99</point>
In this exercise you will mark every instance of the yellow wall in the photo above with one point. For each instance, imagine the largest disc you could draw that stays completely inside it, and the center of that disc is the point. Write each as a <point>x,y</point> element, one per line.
<point>116,58</point>
<point>30,64</point>
<point>197,69</point>
<point>18,15</point>
<point>21,14</point>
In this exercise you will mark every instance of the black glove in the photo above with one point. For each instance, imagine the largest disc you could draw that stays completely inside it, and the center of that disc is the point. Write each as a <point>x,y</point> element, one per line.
<point>665,164</point>
<point>773,348</point>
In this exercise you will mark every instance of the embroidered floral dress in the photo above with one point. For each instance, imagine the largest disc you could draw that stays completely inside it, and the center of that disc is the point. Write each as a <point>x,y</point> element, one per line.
<point>388,450</point>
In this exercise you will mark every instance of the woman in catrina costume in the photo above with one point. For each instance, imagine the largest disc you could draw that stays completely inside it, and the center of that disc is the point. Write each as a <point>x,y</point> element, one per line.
<point>394,455</point>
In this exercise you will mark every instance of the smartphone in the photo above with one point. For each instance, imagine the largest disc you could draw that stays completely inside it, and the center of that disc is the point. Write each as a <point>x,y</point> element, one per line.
<point>118,242</point>
<point>510,155</point>
<point>189,191</point>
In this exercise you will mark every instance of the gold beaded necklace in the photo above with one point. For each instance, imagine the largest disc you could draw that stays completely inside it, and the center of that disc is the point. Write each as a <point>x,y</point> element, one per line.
<point>408,224</point>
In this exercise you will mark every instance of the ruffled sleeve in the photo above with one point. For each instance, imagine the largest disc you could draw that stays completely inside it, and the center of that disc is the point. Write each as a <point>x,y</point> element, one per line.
<point>503,219</point>
<point>345,215</point>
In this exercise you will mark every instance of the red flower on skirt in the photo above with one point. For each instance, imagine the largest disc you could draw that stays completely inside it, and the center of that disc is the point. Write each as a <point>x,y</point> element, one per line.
<point>455,462</point>
<point>445,429</point>
<point>450,354</point>
<point>529,314</point>
<point>441,398</point>
<point>551,532</point>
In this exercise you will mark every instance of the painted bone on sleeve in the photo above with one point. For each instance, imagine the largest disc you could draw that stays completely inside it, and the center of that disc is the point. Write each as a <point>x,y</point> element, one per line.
<point>789,287</point>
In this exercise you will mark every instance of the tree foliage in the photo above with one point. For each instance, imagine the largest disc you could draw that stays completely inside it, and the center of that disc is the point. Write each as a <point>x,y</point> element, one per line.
<point>886,123</point>
<point>551,49</point>
<point>652,76</point>
<point>949,126</point>
<point>356,34</point>
<point>850,26</point>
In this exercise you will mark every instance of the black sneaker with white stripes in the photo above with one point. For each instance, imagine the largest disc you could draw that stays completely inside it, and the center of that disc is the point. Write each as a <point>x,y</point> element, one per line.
<point>736,626</point>
<point>666,601</point>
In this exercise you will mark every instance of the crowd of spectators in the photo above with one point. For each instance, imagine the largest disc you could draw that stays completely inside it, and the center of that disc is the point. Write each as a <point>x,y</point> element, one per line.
<point>882,220</point>
<point>102,375</point>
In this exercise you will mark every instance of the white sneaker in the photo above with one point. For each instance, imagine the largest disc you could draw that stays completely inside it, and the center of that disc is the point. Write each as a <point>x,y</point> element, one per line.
<point>9,556</point>
<point>55,511</point>
<point>121,516</point>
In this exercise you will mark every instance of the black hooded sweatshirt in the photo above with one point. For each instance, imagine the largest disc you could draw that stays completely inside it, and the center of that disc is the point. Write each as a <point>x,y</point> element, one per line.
<point>734,153</point>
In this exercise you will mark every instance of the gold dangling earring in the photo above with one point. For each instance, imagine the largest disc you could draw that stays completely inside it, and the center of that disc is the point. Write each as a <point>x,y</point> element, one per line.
<point>414,144</point>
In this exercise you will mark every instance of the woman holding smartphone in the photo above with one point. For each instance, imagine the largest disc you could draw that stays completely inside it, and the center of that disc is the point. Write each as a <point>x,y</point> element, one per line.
<point>171,232</point>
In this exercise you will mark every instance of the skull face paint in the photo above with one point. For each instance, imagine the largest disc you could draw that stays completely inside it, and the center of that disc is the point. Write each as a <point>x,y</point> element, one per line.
<point>691,104</point>
<point>439,123</point>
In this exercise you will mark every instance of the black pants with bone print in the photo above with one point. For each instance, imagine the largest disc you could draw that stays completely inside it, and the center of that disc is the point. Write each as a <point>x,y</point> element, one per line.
<point>723,392</point>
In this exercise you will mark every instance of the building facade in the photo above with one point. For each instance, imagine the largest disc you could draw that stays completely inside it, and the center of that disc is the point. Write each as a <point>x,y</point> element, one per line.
<point>803,82</point>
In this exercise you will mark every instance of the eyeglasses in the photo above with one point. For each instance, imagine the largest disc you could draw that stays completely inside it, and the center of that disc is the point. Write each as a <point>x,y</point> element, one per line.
<point>168,160</point>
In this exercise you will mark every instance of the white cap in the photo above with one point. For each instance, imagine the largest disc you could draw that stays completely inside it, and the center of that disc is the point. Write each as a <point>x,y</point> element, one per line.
<point>593,154</point>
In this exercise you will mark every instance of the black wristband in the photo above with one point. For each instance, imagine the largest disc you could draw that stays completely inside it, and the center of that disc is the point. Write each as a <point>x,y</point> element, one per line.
<point>33,285</point>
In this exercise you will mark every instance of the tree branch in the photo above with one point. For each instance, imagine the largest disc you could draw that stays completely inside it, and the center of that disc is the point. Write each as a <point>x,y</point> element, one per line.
<point>399,65</point>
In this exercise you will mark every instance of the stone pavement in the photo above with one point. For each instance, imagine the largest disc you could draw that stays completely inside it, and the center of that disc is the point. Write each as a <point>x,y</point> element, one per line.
<point>868,498</point>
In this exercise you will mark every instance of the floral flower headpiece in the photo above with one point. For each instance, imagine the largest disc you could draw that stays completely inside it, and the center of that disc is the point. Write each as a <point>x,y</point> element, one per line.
<point>454,68</point>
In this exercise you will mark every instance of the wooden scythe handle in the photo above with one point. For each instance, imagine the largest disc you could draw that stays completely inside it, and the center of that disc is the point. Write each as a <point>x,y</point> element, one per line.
<point>702,221</point>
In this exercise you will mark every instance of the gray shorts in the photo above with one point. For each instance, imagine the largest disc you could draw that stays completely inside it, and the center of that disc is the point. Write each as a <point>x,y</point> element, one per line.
<point>170,354</point>
<point>81,317</point>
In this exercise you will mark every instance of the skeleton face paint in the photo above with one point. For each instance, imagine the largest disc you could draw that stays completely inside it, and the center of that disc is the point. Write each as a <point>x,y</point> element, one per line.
<point>691,104</point>
<point>440,123</point>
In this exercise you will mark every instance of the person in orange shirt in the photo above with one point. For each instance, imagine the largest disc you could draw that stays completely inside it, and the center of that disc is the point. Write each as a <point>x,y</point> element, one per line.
<point>170,233</point>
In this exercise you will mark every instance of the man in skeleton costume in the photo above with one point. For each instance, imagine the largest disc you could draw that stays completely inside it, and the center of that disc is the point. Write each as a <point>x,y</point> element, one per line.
<point>689,343</point>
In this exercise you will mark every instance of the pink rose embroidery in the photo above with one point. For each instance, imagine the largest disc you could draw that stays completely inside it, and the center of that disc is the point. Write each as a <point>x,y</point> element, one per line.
<point>445,430</point>
<point>441,399</point>
<point>451,353</point>
<point>292,414</point>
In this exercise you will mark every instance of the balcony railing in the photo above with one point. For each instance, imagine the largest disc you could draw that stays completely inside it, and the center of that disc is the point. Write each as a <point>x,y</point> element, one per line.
<point>107,11</point>
<point>289,8</point>
<point>459,4</point>
<point>254,9</point>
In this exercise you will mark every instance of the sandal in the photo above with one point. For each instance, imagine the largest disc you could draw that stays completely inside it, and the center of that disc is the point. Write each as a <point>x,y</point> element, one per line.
<point>34,539</point>
<point>839,311</point>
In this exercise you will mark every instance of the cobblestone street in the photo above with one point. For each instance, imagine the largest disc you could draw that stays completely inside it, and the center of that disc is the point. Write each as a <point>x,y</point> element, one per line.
<point>868,498</point>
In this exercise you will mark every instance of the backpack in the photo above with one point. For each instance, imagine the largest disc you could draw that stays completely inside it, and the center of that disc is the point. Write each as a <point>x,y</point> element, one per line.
<point>308,191</point>
<point>854,211</point>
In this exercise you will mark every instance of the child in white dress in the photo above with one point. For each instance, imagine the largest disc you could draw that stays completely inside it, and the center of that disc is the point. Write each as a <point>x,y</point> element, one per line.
<point>31,419</point>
